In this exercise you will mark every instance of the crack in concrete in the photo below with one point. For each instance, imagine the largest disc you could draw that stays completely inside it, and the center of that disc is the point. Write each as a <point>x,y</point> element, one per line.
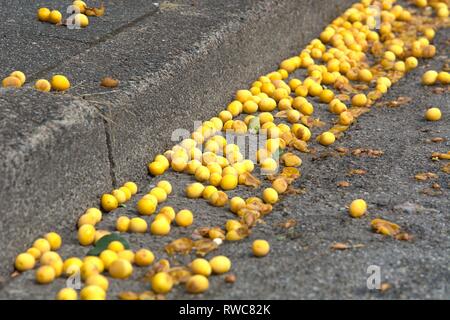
<point>109,142</point>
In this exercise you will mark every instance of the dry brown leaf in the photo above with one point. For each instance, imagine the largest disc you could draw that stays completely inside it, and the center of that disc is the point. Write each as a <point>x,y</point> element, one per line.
<point>281,114</point>
<point>425,176</point>
<point>436,186</point>
<point>337,129</point>
<point>343,97</point>
<point>291,160</point>
<point>442,156</point>
<point>343,184</point>
<point>446,168</point>
<point>358,111</point>
<point>147,295</point>
<point>324,155</point>
<point>292,190</point>
<point>179,274</point>
<point>385,227</point>
<point>230,278</point>
<point>201,232</point>
<point>437,139</point>
<point>288,223</point>
<point>300,145</point>
<point>312,122</point>
<point>95,12</point>
<point>250,217</point>
<point>204,246</point>
<point>287,137</point>
<point>361,87</point>
<point>342,150</point>
<point>109,82</point>
<point>369,152</point>
<point>431,192</point>
<point>398,102</point>
<point>385,286</point>
<point>160,266</point>
<point>128,295</point>
<point>441,90</point>
<point>360,172</point>
<point>263,208</point>
<point>339,246</point>
<point>249,180</point>
<point>182,246</point>
<point>216,232</point>
<point>244,231</point>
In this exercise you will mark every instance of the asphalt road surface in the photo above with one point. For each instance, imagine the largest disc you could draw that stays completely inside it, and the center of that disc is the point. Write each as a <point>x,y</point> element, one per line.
<point>301,264</point>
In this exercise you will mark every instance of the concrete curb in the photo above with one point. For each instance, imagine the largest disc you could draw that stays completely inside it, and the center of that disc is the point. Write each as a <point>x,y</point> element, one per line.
<point>177,66</point>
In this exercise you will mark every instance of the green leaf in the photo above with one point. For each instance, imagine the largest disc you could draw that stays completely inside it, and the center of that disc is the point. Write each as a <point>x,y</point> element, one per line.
<point>104,241</point>
<point>253,126</point>
<point>122,205</point>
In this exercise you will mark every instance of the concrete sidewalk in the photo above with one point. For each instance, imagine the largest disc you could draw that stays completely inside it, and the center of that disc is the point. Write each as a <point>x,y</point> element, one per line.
<point>171,61</point>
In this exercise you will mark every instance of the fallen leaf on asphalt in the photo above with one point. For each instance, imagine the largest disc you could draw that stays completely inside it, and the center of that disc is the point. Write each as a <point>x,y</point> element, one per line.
<point>15,274</point>
<point>442,156</point>
<point>388,228</point>
<point>446,168</point>
<point>254,126</point>
<point>95,12</point>
<point>358,111</point>
<point>343,97</point>
<point>385,227</point>
<point>369,152</point>
<point>179,274</point>
<point>160,266</point>
<point>342,150</point>
<point>431,192</point>
<point>300,145</point>
<point>312,122</point>
<point>398,102</point>
<point>437,139</point>
<point>343,184</point>
<point>292,190</point>
<point>249,180</point>
<point>230,278</point>
<point>360,87</point>
<point>147,295</point>
<point>403,236</point>
<point>244,231</point>
<point>204,246</point>
<point>182,245</point>
<point>385,286</point>
<point>344,246</point>
<point>288,137</point>
<point>250,217</point>
<point>441,90</point>
<point>339,246</point>
<point>359,172</point>
<point>217,232</point>
<point>436,186</point>
<point>128,295</point>
<point>257,205</point>
<point>109,82</point>
<point>288,223</point>
<point>281,114</point>
<point>425,176</point>
<point>337,130</point>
